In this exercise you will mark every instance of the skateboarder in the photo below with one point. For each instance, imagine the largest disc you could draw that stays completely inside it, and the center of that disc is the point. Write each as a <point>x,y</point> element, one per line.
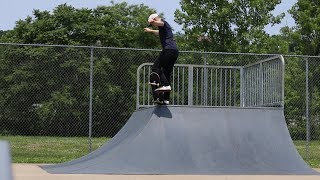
<point>163,65</point>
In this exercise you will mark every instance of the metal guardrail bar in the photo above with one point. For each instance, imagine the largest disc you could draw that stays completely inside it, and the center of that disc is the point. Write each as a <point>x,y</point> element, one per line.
<point>263,83</point>
<point>205,85</point>
<point>252,85</point>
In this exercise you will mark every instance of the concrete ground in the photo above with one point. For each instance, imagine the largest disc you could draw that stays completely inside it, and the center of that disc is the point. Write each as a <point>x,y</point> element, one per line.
<point>34,172</point>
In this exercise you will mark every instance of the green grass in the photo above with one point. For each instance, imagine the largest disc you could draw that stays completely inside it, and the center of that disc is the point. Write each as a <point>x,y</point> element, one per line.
<point>314,152</point>
<point>35,149</point>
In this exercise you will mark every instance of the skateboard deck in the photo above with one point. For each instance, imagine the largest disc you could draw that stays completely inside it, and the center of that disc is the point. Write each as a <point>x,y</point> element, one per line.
<point>155,83</point>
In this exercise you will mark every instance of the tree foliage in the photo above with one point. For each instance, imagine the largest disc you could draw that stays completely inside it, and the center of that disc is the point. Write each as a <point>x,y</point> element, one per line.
<point>44,90</point>
<point>306,14</point>
<point>229,26</point>
<point>302,39</point>
<point>118,25</point>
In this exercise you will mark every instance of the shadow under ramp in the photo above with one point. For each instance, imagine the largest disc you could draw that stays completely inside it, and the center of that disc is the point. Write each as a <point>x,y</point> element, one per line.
<point>194,140</point>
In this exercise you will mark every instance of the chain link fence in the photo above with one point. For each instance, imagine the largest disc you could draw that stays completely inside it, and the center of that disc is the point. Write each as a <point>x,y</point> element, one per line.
<point>67,91</point>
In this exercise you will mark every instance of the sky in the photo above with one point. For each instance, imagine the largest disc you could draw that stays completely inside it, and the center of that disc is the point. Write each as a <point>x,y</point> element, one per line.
<point>13,10</point>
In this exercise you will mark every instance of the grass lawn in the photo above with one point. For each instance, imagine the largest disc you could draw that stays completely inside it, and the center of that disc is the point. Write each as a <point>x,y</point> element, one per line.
<point>39,149</point>
<point>31,149</point>
<point>314,152</point>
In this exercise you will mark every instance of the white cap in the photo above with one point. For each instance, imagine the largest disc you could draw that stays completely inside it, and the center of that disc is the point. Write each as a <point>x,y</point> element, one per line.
<point>151,17</point>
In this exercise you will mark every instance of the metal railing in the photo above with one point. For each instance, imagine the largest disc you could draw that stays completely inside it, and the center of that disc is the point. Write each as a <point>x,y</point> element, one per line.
<point>193,85</point>
<point>263,83</point>
<point>257,84</point>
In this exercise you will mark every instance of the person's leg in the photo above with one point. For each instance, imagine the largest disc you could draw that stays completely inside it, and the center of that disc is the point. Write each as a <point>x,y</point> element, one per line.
<point>159,66</point>
<point>172,56</point>
<point>167,59</point>
<point>156,67</point>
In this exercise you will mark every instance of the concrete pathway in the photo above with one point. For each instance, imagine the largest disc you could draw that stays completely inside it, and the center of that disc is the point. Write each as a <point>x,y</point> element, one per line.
<point>33,172</point>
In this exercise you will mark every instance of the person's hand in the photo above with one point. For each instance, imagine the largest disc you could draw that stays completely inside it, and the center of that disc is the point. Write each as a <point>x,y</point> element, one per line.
<point>147,30</point>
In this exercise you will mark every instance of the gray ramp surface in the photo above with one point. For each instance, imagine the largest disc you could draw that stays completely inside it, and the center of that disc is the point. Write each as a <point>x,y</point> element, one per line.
<point>194,140</point>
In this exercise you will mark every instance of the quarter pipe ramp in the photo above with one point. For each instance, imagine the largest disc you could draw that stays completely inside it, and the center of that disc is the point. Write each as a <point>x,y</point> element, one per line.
<point>194,140</point>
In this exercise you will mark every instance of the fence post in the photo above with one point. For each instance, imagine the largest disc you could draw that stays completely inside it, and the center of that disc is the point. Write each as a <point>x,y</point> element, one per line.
<point>90,99</point>
<point>307,109</point>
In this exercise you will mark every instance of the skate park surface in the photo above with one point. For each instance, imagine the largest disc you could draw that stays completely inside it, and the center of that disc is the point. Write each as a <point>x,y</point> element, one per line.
<point>188,143</point>
<point>34,172</point>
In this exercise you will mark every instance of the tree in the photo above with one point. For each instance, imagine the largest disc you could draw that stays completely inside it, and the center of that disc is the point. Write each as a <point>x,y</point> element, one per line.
<point>44,90</point>
<point>306,14</point>
<point>231,26</point>
<point>2,33</point>
<point>302,39</point>
<point>250,19</point>
<point>206,18</point>
<point>118,25</point>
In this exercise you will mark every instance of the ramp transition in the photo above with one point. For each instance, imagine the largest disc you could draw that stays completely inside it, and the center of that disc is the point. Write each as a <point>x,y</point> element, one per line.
<point>194,140</point>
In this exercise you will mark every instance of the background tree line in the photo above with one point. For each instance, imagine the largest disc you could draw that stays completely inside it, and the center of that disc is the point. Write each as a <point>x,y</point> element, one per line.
<point>39,100</point>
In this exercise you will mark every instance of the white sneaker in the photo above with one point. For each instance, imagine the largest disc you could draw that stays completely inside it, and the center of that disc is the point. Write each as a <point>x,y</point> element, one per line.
<point>164,88</point>
<point>166,102</point>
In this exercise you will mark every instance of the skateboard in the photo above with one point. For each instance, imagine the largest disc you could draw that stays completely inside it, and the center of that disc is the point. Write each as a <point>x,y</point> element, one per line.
<point>155,83</point>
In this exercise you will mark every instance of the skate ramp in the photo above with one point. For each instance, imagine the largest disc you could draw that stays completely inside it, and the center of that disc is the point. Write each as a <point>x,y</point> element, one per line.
<point>194,140</point>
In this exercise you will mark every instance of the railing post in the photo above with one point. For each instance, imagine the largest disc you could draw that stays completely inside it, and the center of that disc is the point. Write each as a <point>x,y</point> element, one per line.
<point>190,85</point>
<point>282,80</point>
<point>138,89</point>
<point>205,81</point>
<point>261,84</point>
<point>241,87</point>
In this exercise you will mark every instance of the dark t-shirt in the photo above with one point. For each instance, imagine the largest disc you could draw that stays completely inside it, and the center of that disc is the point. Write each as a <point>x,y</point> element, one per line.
<point>166,36</point>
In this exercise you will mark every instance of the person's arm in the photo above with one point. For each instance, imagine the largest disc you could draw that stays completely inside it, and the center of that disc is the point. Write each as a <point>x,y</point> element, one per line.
<point>155,32</point>
<point>157,23</point>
